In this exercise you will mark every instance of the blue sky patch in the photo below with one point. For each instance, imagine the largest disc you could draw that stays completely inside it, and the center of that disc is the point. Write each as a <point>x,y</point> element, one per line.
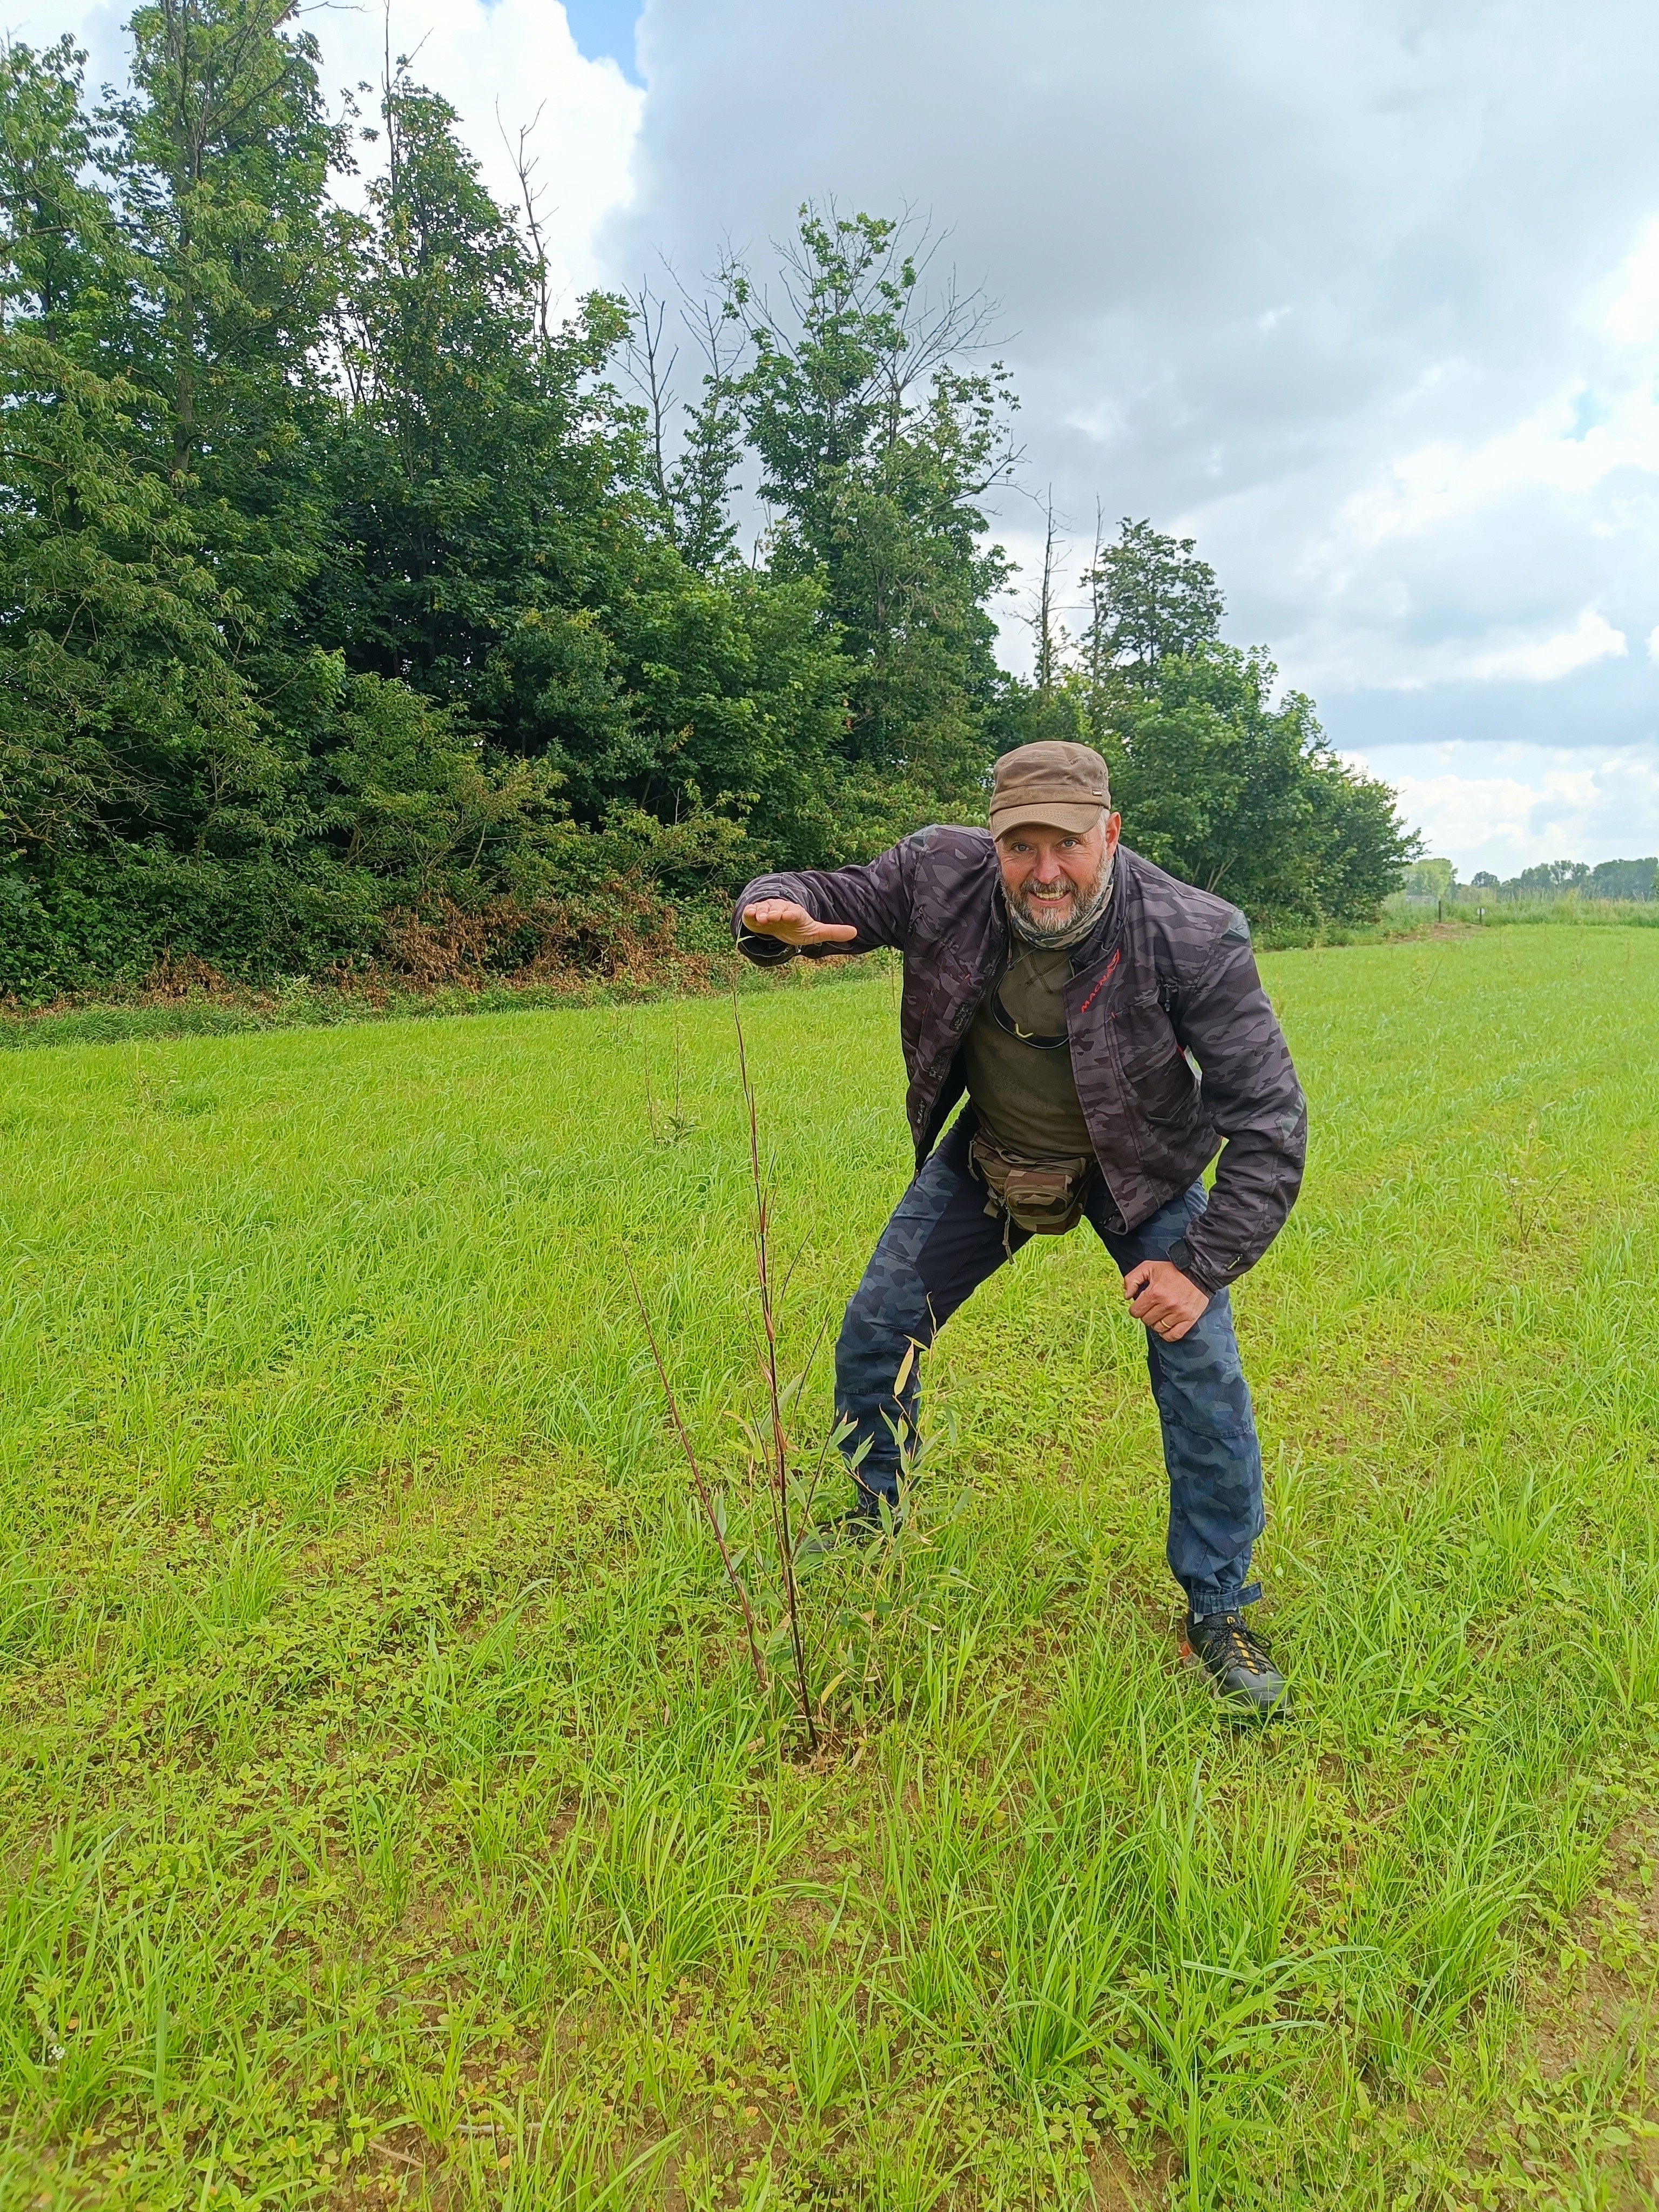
<point>602,27</point>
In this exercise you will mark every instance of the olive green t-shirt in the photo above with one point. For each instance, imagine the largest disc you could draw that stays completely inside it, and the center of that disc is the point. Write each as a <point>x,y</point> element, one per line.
<point>1025,1096</point>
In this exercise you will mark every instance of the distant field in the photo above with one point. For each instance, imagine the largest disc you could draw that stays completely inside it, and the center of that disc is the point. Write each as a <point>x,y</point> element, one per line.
<point>389,1813</point>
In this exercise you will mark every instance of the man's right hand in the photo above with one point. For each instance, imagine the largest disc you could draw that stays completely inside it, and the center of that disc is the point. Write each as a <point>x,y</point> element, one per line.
<point>793,925</point>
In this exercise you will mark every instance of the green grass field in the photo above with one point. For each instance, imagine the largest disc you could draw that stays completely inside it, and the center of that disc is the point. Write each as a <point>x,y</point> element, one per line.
<point>390,1813</point>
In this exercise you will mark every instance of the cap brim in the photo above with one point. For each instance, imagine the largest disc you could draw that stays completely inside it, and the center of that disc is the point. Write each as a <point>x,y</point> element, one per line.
<point>1046,814</point>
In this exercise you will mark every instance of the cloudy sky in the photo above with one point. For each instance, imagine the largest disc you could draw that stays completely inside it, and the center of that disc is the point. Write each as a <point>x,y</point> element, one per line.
<point>1363,294</point>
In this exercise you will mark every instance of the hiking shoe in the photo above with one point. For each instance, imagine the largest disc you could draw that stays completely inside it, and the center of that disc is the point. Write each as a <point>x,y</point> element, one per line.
<point>855,1531</point>
<point>1237,1662</point>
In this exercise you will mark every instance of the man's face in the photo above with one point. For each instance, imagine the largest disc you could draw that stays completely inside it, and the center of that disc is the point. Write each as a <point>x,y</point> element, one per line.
<point>1049,876</point>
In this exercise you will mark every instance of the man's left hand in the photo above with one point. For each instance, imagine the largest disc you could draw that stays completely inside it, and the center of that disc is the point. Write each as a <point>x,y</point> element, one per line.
<point>1168,1302</point>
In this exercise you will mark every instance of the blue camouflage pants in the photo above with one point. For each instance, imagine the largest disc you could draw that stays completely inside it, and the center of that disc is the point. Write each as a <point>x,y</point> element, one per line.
<point>939,1246</point>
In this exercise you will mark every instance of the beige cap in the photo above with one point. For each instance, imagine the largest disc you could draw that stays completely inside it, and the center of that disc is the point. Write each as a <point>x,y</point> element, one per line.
<point>1061,787</point>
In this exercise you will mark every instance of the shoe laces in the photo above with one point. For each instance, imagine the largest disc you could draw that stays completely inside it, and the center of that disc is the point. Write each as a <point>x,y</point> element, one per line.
<point>1240,1644</point>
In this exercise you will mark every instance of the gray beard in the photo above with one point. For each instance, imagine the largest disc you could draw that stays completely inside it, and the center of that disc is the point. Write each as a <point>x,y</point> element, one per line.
<point>1069,933</point>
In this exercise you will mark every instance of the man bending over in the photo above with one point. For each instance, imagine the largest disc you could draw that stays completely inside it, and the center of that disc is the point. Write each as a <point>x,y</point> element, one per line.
<point>1110,1031</point>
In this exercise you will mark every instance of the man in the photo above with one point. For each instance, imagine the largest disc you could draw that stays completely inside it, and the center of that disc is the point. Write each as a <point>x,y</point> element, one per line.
<point>1110,1031</point>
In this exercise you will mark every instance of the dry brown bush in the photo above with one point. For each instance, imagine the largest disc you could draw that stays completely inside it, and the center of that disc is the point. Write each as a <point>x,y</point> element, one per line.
<point>620,933</point>
<point>182,976</point>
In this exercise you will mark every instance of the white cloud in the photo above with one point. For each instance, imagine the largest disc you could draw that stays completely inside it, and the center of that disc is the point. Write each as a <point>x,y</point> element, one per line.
<point>1372,658</point>
<point>1541,803</point>
<point>1554,449</point>
<point>1488,816</point>
<point>499,66</point>
<point>1633,319</point>
<point>1547,659</point>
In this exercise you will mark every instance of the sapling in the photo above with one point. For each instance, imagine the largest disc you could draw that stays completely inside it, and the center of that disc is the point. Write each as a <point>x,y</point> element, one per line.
<point>773,1454</point>
<point>789,1491</point>
<point>712,1511</point>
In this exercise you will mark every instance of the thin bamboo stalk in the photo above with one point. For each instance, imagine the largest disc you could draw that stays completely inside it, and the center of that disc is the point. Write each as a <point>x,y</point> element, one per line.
<point>704,1496</point>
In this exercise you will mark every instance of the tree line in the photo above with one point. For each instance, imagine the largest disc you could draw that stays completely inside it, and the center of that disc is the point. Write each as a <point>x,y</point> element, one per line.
<point>355,604</point>
<point>1549,879</point>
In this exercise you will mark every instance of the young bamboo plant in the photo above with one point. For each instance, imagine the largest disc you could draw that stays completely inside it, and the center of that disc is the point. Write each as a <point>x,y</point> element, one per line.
<point>790,1487</point>
<point>714,1507</point>
<point>769,1447</point>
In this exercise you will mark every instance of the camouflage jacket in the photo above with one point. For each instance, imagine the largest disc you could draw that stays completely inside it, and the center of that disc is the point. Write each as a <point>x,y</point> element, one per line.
<point>1168,979</point>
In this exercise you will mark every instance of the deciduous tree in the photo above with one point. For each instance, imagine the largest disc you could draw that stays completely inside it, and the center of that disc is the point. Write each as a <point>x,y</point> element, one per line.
<point>877,438</point>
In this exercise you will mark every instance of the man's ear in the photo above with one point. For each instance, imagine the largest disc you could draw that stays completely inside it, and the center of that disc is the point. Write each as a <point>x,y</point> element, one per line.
<point>1114,827</point>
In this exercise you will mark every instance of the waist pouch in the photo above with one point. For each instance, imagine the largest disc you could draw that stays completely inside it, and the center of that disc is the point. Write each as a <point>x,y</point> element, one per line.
<point>1043,1198</point>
